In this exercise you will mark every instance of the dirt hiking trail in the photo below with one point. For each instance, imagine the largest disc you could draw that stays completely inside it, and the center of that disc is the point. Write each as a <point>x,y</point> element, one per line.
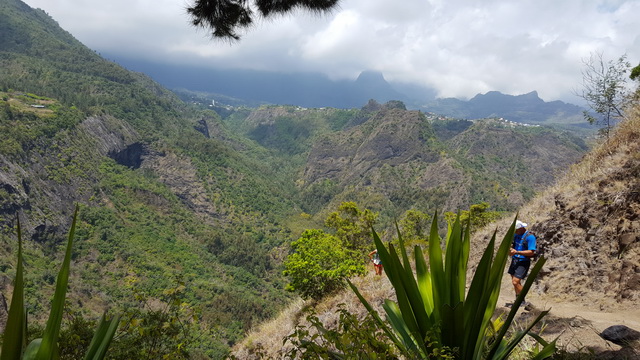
<point>576,324</point>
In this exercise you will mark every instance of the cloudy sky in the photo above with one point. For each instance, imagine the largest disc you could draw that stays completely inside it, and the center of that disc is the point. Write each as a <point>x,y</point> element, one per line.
<point>458,47</point>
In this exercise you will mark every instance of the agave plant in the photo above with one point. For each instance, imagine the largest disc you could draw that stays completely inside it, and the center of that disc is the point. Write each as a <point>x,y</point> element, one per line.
<point>46,348</point>
<point>434,314</point>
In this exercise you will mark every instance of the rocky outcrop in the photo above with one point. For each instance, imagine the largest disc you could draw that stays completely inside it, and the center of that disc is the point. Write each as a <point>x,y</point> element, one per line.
<point>588,226</point>
<point>392,137</point>
<point>109,134</point>
<point>180,175</point>
<point>14,189</point>
<point>130,156</point>
<point>52,176</point>
<point>596,236</point>
<point>202,127</point>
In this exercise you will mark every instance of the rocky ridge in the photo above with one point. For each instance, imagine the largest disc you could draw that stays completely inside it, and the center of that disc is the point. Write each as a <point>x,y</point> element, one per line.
<point>393,150</point>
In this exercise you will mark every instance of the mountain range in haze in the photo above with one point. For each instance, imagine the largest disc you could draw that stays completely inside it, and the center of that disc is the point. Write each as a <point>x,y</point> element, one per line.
<point>318,90</point>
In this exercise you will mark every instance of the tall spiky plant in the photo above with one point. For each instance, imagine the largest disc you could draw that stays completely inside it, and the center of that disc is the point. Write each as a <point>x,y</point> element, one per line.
<point>46,348</point>
<point>433,313</point>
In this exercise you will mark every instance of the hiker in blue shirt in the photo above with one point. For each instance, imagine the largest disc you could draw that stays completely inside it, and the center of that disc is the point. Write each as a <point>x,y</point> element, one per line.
<point>522,250</point>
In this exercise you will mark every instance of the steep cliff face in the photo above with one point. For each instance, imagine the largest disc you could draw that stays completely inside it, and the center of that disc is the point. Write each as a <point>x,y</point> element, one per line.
<point>54,174</point>
<point>180,175</point>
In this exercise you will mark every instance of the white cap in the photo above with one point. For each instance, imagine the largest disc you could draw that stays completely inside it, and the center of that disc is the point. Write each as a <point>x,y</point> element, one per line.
<point>520,224</point>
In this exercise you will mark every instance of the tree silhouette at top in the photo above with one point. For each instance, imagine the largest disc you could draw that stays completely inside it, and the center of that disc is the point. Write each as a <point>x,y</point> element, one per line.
<point>225,17</point>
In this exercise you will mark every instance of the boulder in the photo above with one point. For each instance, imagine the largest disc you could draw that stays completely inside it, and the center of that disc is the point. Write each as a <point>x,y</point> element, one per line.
<point>620,335</point>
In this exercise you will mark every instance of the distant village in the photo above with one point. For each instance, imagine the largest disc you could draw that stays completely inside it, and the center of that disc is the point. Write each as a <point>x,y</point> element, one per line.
<point>430,116</point>
<point>514,124</point>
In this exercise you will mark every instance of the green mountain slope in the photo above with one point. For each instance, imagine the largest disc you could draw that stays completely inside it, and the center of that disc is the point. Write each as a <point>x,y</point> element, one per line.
<point>162,203</point>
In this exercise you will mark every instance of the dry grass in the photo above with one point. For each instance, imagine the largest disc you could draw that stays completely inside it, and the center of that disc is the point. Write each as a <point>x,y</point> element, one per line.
<point>268,337</point>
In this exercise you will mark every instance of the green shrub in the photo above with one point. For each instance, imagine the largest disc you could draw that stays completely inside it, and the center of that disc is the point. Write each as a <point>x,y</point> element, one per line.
<point>478,213</point>
<point>162,326</point>
<point>414,225</point>
<point>352,225</point>
<point>320,264</point>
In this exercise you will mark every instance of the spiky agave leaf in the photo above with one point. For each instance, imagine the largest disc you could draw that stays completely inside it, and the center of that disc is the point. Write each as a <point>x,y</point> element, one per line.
<point>102,338</point>
<point>46,348</point>
<point>49,347</point>
<point>16,327</point>
<point>434,312</point>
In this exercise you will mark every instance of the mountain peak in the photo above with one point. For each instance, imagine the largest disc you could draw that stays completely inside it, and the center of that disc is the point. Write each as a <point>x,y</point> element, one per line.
<point>371,77</point>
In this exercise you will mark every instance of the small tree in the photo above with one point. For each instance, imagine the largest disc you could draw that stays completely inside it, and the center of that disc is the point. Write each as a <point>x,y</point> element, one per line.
<point>415,226</point>
<point>320,264</point>
<point>352,225</point>
<point>478,213</point>
<point>604,89</point>
<point>635,93</point>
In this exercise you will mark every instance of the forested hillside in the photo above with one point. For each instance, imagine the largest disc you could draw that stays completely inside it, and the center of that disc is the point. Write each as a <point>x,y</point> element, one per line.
<point>189,215</point>
<point>390,159</point>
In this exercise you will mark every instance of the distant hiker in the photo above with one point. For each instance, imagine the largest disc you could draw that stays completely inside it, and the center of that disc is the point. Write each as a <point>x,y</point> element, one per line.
<point>522,250</point>
<point>377,263</point>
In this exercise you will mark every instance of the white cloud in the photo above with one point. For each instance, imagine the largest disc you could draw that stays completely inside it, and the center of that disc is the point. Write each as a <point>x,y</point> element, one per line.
<point>459,47</point>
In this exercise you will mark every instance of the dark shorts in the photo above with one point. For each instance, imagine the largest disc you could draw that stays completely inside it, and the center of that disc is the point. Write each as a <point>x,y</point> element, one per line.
<point>519,268</point>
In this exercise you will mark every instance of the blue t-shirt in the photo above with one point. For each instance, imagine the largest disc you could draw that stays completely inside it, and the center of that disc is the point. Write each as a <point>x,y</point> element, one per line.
<point>524,242</point>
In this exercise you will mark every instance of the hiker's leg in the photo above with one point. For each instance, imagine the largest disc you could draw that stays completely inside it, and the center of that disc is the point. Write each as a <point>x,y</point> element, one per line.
<point>517,284</point>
